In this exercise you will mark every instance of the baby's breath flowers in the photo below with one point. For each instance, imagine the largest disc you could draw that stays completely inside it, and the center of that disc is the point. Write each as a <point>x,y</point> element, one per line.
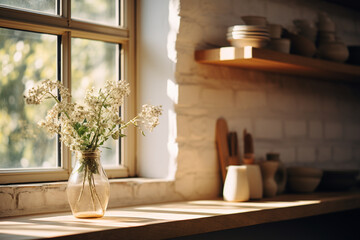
<point>87,127</point>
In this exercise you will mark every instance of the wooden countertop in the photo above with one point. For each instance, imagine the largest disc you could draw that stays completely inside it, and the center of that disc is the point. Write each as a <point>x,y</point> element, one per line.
<point>169,220</point>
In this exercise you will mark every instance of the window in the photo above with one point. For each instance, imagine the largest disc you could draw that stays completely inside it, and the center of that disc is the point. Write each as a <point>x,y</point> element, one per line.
<point>83,44</point>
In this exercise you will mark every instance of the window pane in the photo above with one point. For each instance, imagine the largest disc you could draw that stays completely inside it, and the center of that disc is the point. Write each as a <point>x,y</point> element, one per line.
<point>99,11</point>
<point>25,58</point>
<point>46,6</point>
<point>92,63</point>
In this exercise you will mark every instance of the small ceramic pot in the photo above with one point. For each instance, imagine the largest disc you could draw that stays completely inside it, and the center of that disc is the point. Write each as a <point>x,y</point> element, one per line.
<point>306,29</point>
<point>268,170</point>
<point>280,45</point>
<point>275,31</point>
<point>236,186</point>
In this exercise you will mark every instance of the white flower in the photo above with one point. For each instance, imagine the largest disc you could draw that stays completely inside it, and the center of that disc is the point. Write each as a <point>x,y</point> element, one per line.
<point>88,127</point>
<point>149,116</point>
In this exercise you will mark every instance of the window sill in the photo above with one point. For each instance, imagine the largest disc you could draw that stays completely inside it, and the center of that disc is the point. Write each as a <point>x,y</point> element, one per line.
<point>169,220</point>
<point>36,198</point>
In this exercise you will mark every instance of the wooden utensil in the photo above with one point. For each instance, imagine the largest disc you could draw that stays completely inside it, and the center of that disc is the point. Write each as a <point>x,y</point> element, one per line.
<point>234,151</point>
<point>222,145</point>
<point>248,148</point>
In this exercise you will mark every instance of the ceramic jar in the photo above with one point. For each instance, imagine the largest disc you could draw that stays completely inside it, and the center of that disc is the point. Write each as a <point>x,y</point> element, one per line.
<point>255,181</point>
<point>236,186</point>
<point>268,170</point>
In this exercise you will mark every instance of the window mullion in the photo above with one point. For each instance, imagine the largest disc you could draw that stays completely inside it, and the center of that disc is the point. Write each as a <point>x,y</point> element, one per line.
<point>66,9</point>
<point>66,80</point>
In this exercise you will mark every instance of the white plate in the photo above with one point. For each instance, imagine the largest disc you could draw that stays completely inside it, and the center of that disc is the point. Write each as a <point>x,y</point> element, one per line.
<point>247,27</point>
<point>258,43</point>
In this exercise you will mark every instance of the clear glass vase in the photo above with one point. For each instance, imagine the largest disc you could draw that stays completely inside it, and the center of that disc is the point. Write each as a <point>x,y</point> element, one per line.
<point>88,188</point>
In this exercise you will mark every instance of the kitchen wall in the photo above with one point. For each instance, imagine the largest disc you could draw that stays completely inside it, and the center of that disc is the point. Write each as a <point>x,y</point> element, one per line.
<point>309,122</point>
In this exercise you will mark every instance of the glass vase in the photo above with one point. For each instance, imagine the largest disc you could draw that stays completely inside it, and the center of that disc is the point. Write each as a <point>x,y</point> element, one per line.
<point>88,188</point>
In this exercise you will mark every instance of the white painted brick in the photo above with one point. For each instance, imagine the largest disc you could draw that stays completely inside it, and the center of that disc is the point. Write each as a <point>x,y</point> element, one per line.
<point>315,129</point>
<point>189,32</point>
<point>185,62</point>
<point>7,200</point>
<point>308,104</point>
<point>189,94</point>
<point>329,105</point>
<point>207,160</point>
<point>287,155</point>
<point>189,7</point>
<point>333,130</point>
<point>239,124</point>
<point>209,133</point>
<point>217,98</point>
<point>295,129</point>
<point>260,152</point>
<point>215,35</point>
<point>56,196</point>
<point>31,199</point>
<point>208,186</point>
<point>183,127</point>
<point>255,7</point>
<point>268,129</point>
<point>202,128</point>
<point>352,132</point>
<point>342,153</point>
<point>184,184</point>
<point>282,102</point>
<point>152,192</point>
<point>186,160</point>
<point>121,193</point>
<point>306,154</point>
<point>250,99</point>
<point>213,7</point>
<point>324,154</point>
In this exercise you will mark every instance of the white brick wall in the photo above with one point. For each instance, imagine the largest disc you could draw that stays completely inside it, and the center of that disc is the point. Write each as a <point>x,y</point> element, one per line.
<point>309,122</point>
<point>315,129</point>
<point>269,129</point>
<point>333,130</point>
<point>295,129</point>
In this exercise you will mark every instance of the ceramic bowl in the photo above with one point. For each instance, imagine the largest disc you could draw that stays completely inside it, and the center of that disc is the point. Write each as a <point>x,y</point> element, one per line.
<point>333,51</point>
<point>302,184</point>
<point>254,20</point>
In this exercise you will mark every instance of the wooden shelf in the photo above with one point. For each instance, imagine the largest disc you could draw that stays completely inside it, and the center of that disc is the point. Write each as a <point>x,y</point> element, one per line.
<point>170,220</point>
<point>271,61</point>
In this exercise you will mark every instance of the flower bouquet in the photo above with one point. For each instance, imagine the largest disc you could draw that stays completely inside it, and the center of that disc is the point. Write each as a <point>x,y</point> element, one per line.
<point>84,128</point>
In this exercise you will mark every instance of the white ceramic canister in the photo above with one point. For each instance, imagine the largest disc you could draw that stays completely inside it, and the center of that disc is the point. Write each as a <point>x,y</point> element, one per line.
<point>236,186</point>
<point>255,181</point>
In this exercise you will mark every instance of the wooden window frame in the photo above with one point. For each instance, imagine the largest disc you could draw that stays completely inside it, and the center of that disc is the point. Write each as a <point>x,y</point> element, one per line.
<point>66,27</point>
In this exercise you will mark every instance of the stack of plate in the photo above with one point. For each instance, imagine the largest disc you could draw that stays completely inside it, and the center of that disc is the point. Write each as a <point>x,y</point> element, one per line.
<point>248,35</point>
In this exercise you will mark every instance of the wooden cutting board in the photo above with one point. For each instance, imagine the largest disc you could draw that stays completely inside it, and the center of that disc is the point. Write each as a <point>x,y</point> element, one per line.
<point>222,145</point>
